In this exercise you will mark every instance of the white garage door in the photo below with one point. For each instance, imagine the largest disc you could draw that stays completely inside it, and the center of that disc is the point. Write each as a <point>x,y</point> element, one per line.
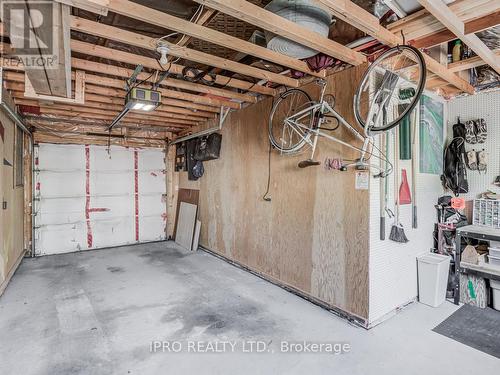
<point>90,198</point>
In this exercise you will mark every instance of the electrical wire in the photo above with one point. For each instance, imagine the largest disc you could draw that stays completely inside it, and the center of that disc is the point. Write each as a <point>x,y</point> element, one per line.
<point>197,15</point>
<point>265,196</point>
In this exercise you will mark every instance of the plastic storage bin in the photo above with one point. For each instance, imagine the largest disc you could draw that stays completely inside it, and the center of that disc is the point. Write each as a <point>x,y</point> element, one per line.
<point>495,285</point>
<point>494,251</point>
<point>494,261</point>
<point>432,278</point>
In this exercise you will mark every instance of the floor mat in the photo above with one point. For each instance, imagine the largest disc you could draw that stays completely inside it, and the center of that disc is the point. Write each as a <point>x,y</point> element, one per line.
<point>474,327</point>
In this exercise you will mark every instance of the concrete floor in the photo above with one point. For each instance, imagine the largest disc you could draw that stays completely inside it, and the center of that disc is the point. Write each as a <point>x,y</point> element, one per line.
<point>97,312</point>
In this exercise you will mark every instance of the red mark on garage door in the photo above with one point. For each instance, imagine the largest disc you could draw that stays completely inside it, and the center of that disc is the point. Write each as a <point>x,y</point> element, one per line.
<point>89,209</point>
<point>98,209</point>
<point>136,193</point>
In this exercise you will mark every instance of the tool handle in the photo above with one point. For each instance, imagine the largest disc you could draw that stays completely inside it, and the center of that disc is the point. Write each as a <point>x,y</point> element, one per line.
<point>382,228</point>
<point>414,221</point>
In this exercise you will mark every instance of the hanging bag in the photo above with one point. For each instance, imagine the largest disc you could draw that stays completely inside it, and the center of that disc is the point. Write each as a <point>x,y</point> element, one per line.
<point>208,147</point>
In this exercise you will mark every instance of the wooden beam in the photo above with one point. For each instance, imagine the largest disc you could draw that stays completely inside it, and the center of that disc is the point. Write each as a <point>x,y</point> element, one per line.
<point>130,58</point>
<point>361,19</point>
<point>91,106</point>
<point>168,82</point>
<point>260,17</point>
<point>469,63</point>
<point>30,119</point>
<point>123,131</point>
<point>445,35</point>
<point>99,99</point>
<point>40,137</point>
<point>422,25</point>
<point>71,112</point>
<point>95,6</point>
<point>205,111</point>
<point>482,23</point>
<point>9,65</point>
<point>367,22</point>
<point>205,17</point>
<point>142,41</point>
<point>154,17</point>
<point>446,16</point>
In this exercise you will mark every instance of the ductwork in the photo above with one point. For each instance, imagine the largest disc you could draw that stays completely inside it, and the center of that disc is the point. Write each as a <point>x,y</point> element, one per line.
<point>304,13</point>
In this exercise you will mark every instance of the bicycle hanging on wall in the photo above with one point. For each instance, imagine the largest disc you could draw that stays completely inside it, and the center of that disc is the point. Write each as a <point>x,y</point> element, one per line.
<point>389,90</point>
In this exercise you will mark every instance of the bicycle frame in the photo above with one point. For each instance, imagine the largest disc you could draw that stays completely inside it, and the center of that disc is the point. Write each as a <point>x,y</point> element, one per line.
<point>322,107</point>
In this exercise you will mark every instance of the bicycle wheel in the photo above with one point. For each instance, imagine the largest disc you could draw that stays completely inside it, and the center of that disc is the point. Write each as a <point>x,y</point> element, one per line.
<point>390,88</point>
<point>284,132</point>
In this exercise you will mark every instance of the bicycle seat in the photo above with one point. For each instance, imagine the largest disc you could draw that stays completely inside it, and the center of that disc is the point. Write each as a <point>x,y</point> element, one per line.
<point>308,163</point>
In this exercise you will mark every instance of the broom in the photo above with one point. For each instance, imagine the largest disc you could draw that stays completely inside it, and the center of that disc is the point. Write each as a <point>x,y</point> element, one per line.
<point>397,231</point>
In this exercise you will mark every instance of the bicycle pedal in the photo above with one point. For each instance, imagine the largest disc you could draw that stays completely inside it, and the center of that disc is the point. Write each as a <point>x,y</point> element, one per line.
<point>308,163</point>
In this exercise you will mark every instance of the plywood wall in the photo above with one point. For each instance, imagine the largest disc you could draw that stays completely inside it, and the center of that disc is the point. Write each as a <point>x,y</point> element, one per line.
<point>313,235</point>
<point>11,218</point>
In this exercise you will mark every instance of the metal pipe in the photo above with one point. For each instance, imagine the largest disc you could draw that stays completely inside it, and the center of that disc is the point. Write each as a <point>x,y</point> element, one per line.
<point>222,118</point>
<point>15,117</point>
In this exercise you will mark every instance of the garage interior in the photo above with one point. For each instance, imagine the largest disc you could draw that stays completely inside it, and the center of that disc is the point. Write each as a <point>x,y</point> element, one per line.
<point>219,186</point>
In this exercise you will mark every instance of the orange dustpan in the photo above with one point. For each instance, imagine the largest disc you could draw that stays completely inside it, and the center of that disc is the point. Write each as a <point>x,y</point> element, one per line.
<point>404,189</point>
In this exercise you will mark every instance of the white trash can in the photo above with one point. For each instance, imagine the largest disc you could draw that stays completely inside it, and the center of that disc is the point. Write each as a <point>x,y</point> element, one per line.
<point>495,285</point>
<point>432,278</point>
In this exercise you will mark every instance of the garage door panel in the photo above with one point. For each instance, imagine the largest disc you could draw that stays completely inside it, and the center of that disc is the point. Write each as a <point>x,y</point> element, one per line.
<point>96,198</point>
<point>152,204</point>
<point>115,160</point>
<point>113,227</point>
<point>150,159</point>
<point>61,211</point>
<point>61,238</point>
<point>62,184</point>
<point>121,183</point>
<point>59,157</point>
<point>152,228</point>
<point>151,182</point>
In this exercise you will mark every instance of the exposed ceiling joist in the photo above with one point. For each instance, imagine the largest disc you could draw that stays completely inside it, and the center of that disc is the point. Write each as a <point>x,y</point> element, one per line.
<point>469,63</point>
<point>94,6</point>
<point>67,110</point>
<point>154,17</point>
<point>258,16</point>
<point>142,41</point>
<point>205,17</point>
<point>33,120</point>
<point>446,16</point>
<point>90,105</point>
<point>445,35</point>
<point>355,15</point>
<point>189,100</point>
<point>148,62</point>
<point>422,28</point>
<point>169,82</point>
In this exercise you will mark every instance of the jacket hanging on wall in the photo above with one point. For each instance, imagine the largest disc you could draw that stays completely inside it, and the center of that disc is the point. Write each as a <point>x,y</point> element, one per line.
<point>454,175</point>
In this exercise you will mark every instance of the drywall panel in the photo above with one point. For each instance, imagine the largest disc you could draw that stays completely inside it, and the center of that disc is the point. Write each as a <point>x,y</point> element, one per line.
<point>393,269</point>
<point>487,106</point>
<point>313,234</point>
<point>93,197</point>
<point>186,225</point>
